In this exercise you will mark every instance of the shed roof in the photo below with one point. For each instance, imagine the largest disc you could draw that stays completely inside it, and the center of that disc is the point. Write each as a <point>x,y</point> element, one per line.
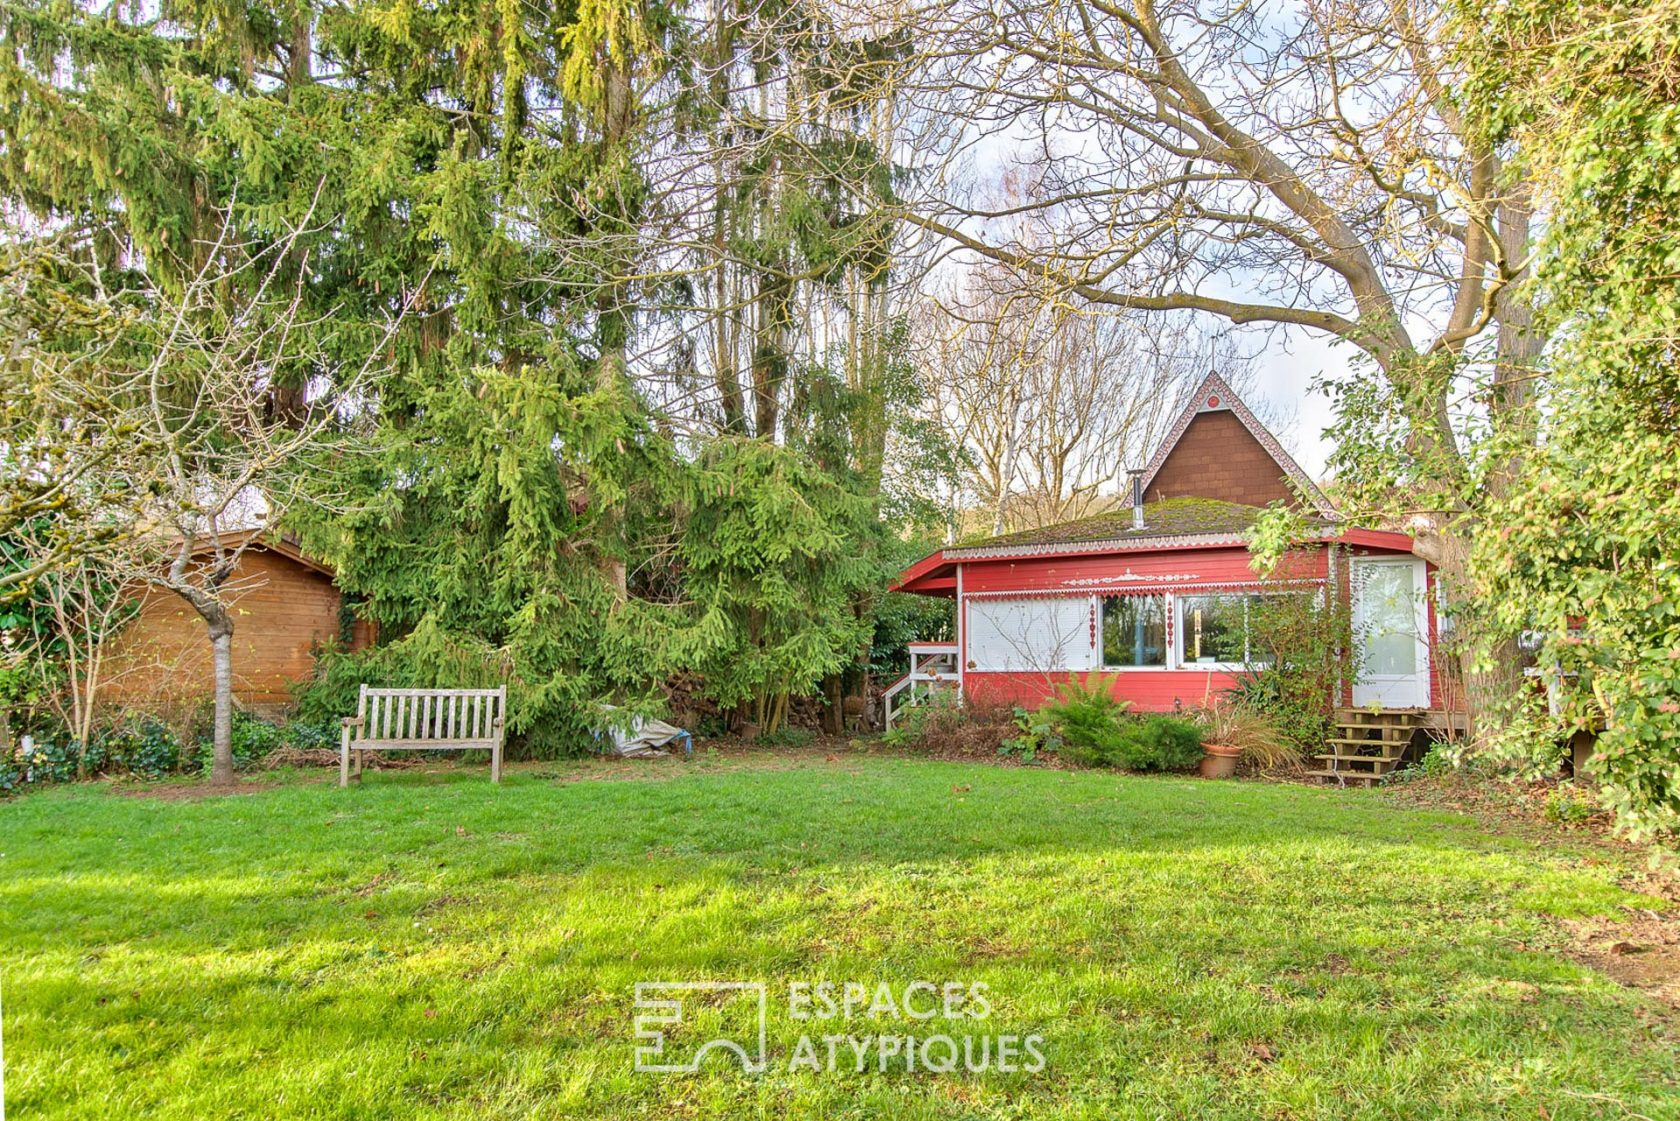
<point>1176,523</point>
<point>1170,519</point>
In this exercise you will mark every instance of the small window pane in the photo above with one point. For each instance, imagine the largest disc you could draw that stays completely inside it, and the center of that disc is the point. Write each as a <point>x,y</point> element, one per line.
<point>1134,631</point>
<point>1214,629</point>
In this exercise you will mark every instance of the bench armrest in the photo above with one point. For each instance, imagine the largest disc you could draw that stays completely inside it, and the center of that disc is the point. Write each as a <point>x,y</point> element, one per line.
<point>351,722</point>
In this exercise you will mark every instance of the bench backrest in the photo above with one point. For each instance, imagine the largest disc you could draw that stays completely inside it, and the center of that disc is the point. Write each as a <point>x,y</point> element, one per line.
<point>432,715</point>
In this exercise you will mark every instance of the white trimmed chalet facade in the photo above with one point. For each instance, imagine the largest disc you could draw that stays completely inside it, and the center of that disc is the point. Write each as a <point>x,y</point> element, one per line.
<point>1157,592</point>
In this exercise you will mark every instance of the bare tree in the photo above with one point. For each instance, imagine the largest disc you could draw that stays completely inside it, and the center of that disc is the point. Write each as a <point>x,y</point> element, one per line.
<point>1051,401</point>
<point>62,641</point>
<point>229,467</point>
<point>1299,164</point>
<point>207,464</point>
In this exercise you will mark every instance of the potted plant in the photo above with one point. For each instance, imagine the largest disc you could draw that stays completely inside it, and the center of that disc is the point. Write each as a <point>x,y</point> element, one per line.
<point>1231,732</point>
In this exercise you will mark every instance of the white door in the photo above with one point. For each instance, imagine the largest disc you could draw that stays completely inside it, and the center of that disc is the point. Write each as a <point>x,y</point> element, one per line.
<point>1391,624</point>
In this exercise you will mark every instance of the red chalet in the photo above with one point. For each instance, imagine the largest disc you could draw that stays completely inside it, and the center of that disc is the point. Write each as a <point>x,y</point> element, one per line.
<point>1158,592</point>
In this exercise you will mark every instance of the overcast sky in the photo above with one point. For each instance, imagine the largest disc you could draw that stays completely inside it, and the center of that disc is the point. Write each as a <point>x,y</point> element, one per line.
<point>1285,371</point>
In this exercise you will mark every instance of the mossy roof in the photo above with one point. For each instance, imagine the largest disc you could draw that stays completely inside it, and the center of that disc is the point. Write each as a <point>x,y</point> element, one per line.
<point>1172,517</point>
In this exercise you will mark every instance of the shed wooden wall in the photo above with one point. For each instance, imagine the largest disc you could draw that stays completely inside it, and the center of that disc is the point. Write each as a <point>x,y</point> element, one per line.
<point>1218,457</point>
<point>284,612</point>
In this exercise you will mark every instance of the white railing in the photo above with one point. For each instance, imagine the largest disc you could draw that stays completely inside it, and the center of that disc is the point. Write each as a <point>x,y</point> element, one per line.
<point>933,667</point>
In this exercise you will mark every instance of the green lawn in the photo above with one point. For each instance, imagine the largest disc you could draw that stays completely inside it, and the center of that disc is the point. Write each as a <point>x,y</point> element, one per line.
<point>428,946</point>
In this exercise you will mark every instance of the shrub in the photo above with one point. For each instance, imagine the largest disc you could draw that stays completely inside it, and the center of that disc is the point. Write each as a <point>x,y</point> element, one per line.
<point>1439,761</point>
<point>939,713</point>
<point>1093,730</point>
<point>309,735</point>
<point>943,727</point>
<point>252,738</point>
<point>1035,734</point>
<point>549,714</point>
<point>427,657</point>
<point>148,748</point>
<point>1085,714</point>
<point>1567,805</point>
<point>42,763</point>
<point>1159,743</point>
<point>1303,649</point>
<point>787,736</point>
<point>1298,709</point>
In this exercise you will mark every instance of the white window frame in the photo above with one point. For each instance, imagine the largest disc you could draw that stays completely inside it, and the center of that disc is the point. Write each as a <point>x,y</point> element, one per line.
<point>1167,619</point>
<point>1180,630</point>
<point>1069,654</point>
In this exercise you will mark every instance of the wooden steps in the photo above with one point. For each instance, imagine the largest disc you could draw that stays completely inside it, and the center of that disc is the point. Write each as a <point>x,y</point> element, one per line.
<point>1344,778</point>
<point>1369,745</point>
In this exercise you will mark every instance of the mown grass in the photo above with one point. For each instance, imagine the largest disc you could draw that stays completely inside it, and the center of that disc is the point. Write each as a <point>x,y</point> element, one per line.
<point>428,946</point>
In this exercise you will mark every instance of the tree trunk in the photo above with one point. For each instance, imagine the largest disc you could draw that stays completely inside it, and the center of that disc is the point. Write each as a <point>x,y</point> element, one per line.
<point>1482,691</point>
<point>834,706</point>
<point>221,656</point>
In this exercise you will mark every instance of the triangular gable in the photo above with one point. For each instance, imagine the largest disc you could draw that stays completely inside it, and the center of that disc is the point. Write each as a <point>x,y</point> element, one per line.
<point>1215,395</point>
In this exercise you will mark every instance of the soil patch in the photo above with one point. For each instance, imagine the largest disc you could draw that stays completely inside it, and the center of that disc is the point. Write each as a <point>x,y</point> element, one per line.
<point>192,791</point>
<point>1640,950</point>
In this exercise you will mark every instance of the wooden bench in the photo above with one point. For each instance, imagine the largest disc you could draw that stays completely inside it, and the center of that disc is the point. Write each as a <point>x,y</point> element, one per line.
<point>424,720</point>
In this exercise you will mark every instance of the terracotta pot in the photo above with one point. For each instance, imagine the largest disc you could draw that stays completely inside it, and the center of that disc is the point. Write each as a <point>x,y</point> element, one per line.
<point>1220,760</point>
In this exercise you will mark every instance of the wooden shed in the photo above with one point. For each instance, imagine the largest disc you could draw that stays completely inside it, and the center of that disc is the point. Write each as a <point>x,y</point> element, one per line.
<point>286,609</point>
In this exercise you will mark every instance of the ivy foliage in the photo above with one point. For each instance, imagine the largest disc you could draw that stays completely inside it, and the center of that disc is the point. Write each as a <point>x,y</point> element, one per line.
<point>1584,548</point>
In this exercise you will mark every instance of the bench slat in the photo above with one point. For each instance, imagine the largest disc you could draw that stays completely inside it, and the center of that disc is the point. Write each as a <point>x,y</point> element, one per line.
<point>424,745</point>
<point>425,720</point>
<point>434,692</point>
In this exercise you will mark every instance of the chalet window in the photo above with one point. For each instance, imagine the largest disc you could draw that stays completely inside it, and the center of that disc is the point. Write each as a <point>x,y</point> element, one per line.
<point>1030,635</point>
<point>1134,632</point>
<point>1213,630</point>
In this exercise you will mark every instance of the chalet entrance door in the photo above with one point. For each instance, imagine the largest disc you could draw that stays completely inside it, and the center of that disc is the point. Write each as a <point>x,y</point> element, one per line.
<point>1391,626</point>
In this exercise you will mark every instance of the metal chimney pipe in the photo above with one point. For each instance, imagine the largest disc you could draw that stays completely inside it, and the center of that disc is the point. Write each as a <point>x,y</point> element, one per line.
<point>1137,497</point>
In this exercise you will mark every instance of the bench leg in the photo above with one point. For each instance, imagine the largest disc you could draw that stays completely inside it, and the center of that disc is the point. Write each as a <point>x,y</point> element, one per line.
<point>344,758</point>
<point>359,757</point>
<point>496,763</point>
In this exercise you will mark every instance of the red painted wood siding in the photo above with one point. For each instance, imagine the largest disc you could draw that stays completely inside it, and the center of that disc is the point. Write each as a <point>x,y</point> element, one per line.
<point>1156,690</point>
<point>1146,690</point>
<point>1166,570</point>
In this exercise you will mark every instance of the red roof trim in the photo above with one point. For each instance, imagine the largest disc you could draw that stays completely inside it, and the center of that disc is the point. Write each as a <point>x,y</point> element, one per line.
<point>924,567</point>
<point>1377,539</point>
<point>1369,538</point>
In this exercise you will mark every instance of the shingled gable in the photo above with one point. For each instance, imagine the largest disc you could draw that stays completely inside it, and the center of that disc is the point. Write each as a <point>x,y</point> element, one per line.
<point>1218,449</point>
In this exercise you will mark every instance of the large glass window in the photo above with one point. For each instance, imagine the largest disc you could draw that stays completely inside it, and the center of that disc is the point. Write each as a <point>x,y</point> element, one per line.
<point>1213,628</point>
<point>1134,631</point>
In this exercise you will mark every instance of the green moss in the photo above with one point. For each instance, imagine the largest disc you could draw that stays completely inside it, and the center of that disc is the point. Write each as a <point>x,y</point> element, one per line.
<point>1172,517</point>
